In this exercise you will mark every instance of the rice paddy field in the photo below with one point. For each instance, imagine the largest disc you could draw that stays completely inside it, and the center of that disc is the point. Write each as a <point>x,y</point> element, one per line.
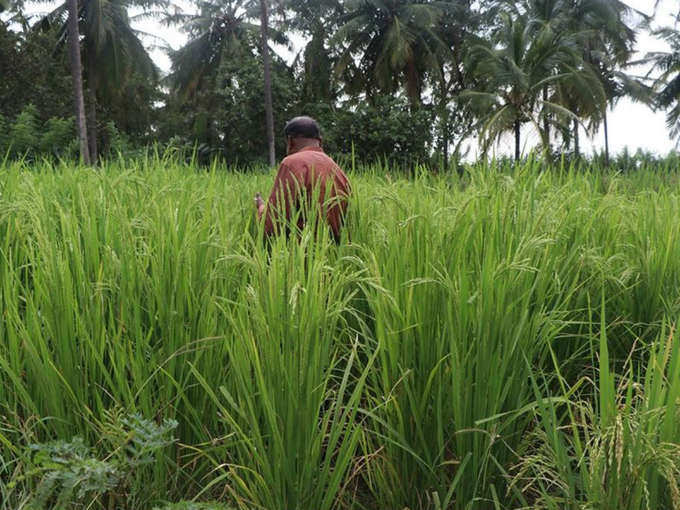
<point>501,340</point>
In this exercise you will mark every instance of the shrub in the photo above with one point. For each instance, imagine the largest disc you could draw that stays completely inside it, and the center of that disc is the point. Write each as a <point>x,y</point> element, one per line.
<point>23,137</point>
<point>58,137</point>
<point>4,136</point>
<point>64,474</point>
<point>387,130</point>
<point>116,141</point>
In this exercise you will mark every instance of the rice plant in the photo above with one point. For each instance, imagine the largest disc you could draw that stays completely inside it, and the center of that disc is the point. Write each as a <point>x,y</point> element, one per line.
<point>492,340</point>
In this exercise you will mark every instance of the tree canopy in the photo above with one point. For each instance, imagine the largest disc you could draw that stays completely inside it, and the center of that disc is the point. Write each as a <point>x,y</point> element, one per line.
<point>457,69</point>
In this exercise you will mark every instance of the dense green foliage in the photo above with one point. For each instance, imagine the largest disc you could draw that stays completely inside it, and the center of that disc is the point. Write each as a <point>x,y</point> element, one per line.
<point>504,339</point>
<point>31,75</point>
<point>499,337</point>
<point>29,139</point>
<point>408,80</point>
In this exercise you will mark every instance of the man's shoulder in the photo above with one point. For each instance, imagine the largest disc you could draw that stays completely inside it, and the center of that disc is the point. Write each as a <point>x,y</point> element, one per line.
<point>305,157</point>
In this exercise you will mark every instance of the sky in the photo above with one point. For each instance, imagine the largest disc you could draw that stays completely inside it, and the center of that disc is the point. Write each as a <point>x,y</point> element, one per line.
<point>631,125</point>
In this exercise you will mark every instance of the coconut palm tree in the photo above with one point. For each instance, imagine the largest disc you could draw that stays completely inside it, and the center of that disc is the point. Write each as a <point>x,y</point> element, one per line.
<point>583,95</point>
<point>266,65</point>
<point>113,53</point>
<point>218,30</point>
<point>316,20</point>
<point>395,41</point>
<point>112,50</point>
<point>267,75</point>
<point>668,83</point>
<point>608,43</point>
<point>550,16</point>
<point>515,67</point>
<point>77,77</point>
<point>457,29</point>
<point>223,30</point>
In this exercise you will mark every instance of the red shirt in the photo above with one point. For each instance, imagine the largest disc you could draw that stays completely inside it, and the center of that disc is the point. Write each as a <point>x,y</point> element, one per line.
<point>303,175</point>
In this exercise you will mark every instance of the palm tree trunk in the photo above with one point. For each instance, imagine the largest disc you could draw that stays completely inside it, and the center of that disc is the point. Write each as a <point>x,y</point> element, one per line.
<point>517,140</point>
<point>546,119</point>
<point>445,142</point>
<point>606,138</point>
<point>412,84</point>
<point>268,108</point>
<point>77,76</point>
<point>444,119</point>
<point>577,141</point>
<point>92,108</point>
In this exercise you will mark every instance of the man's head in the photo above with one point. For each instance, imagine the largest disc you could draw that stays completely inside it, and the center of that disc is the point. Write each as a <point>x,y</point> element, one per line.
<point>302,132</point>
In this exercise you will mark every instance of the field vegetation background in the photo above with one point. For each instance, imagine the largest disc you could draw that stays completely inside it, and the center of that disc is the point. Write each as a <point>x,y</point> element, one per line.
<point>422,82</point>
<point>497,335</point>
<point>502,338</point>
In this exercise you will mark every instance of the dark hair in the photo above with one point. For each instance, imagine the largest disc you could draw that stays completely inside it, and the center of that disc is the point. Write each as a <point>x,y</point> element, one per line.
<point>302,127</point>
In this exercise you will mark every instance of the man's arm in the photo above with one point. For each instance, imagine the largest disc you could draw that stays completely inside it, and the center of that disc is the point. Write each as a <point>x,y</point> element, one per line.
<point>259,205</point>
<point>279,203</point>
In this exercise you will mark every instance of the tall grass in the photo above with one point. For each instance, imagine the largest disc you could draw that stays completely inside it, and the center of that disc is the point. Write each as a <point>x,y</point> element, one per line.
<point>481,342</point>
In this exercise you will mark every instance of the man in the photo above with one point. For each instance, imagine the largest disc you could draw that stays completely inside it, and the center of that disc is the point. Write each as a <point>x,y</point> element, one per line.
<point>306,175</point>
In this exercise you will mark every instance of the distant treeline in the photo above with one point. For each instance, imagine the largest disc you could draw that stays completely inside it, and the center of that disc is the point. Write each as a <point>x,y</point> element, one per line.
<point>403,81</point>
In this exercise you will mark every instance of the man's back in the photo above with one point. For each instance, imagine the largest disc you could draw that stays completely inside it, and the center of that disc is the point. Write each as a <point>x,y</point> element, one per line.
<point>301,176</point>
